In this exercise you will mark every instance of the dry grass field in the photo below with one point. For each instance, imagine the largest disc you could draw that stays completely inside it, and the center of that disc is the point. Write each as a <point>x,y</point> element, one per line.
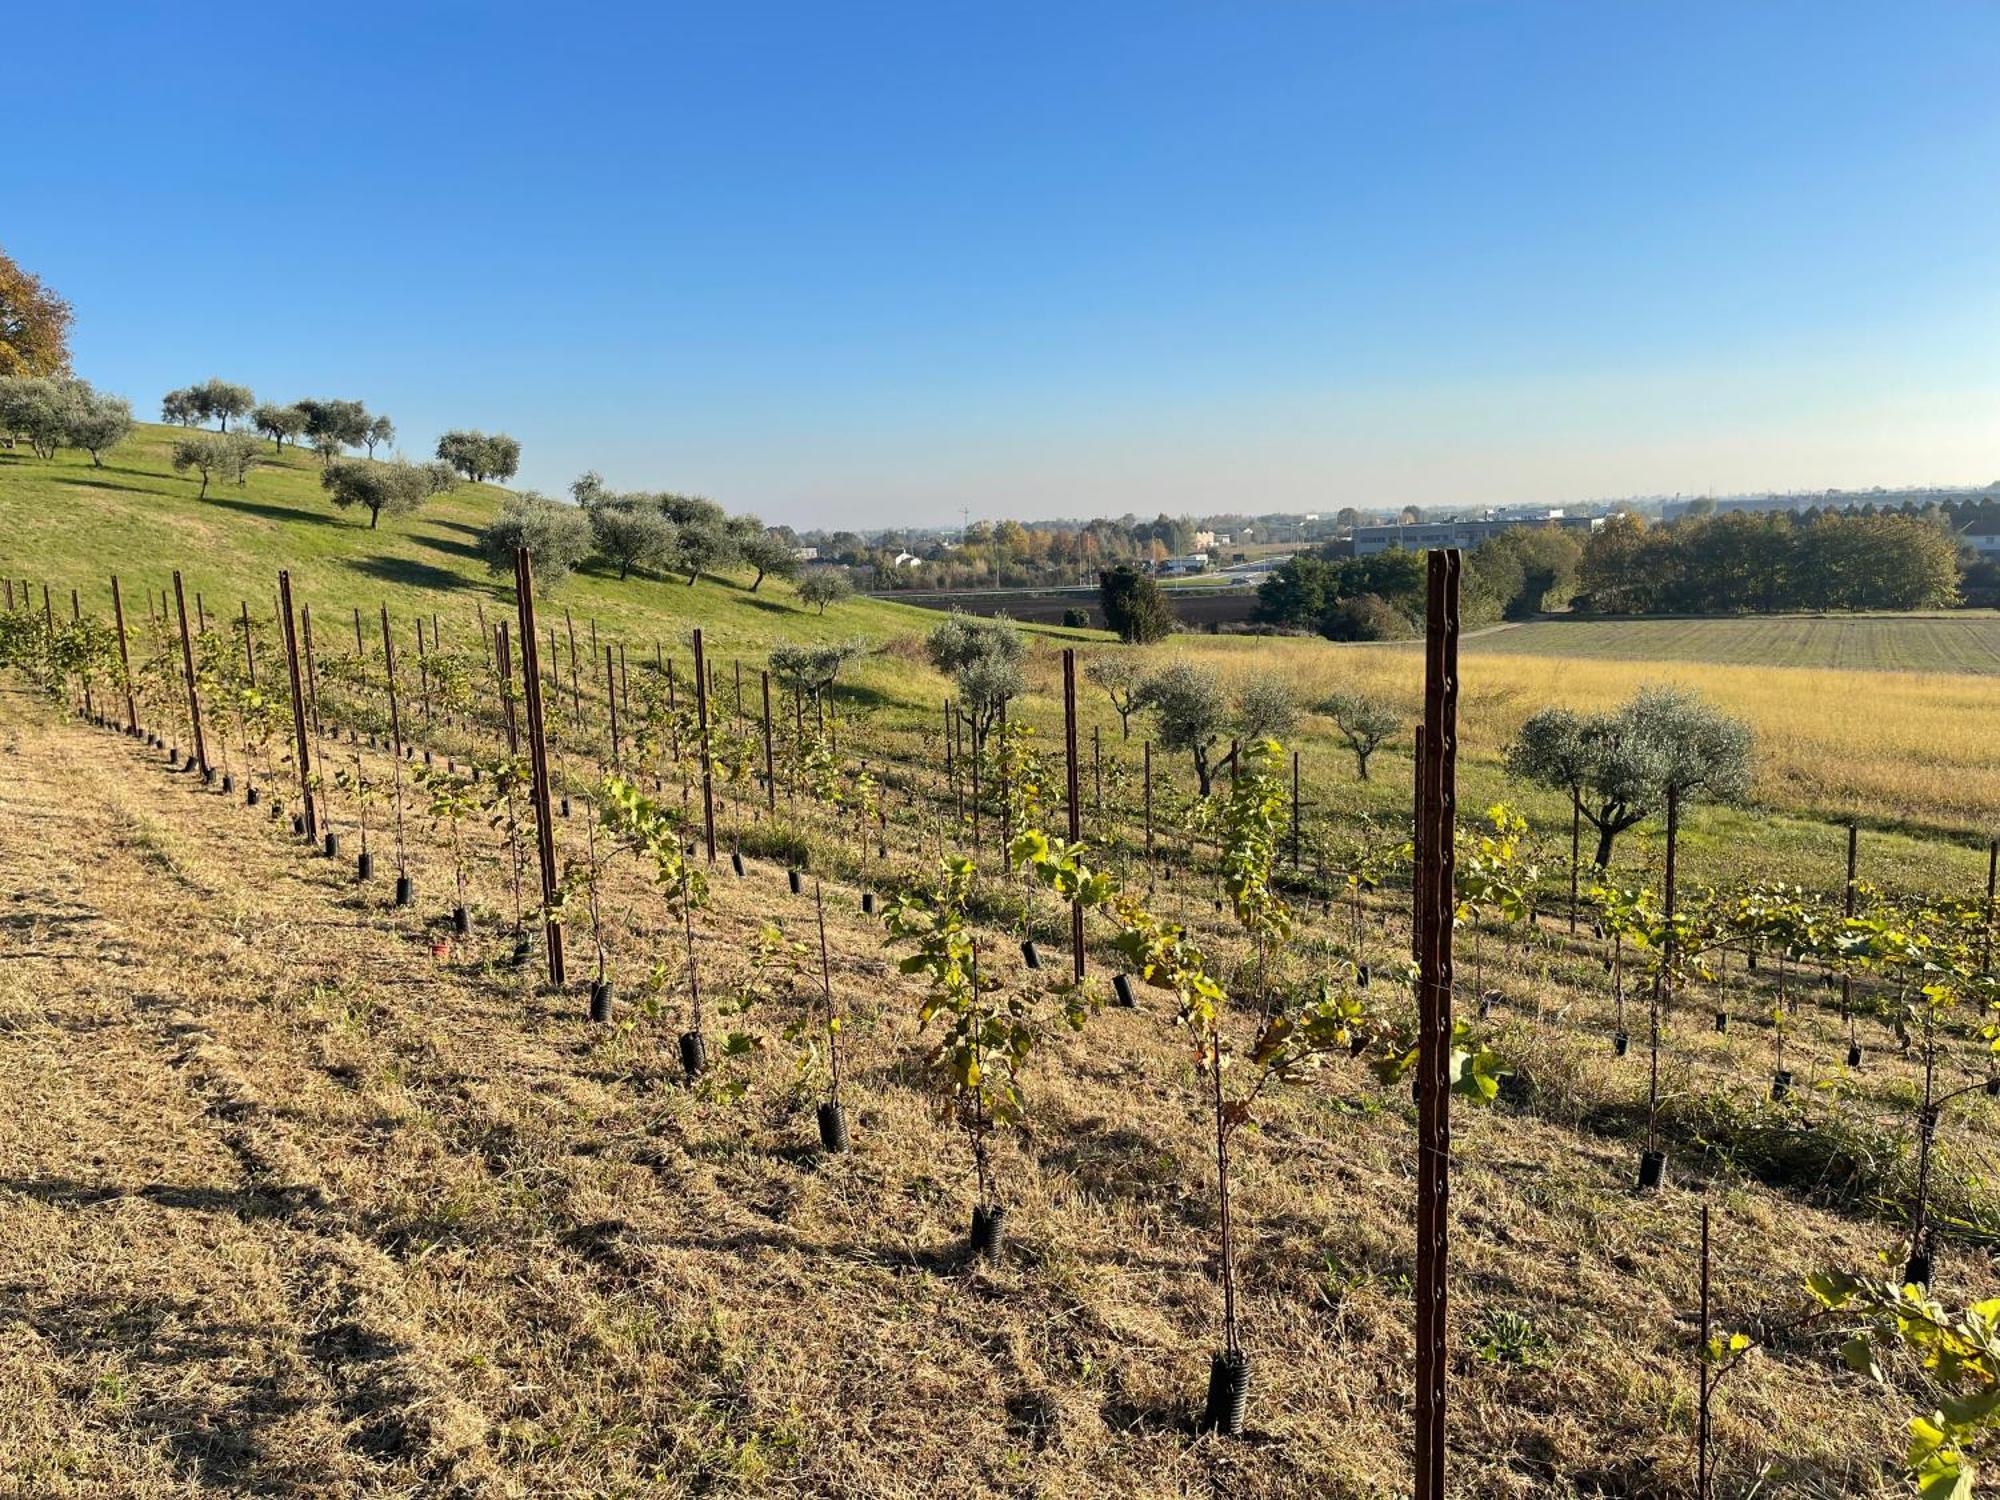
<point>1962,641</point>
<point>1908,749</point>
<point>304,1198</point>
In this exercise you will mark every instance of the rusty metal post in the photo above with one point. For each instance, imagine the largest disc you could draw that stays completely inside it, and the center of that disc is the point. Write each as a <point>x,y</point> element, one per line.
<point>951,760</point>
<point>76,614</point>
<point>503,656</point>
<point>1149,797</point>
<point>610,699</point>
<point>1575,854</point>
<point>770,771</point>
<point>1004,768</point>
<point>1295,809</point>
<point>701,722</point>
<point>1847,910</point>
<point>395,734</point>
<point>124,659</point>
<point>1433,915</point>
<point>298,708</point>
<point>538,757</point>
<point>1075,798</point>
<point>1703,1484</point>
<point>187,664</point>
<point>1992,911</point>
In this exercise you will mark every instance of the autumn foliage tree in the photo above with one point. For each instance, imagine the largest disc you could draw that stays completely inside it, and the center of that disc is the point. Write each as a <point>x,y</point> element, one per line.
<point>34,324</point>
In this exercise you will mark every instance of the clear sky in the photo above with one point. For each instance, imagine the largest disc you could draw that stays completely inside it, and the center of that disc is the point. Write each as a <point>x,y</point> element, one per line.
<point>864,264</point>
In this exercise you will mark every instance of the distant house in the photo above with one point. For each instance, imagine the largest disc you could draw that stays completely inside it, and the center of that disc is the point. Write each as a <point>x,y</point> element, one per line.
<point>1180,567</point>
<point>907,560</point>
<point>1204,541</point>
<point>806,554</point>
<point>1984,545</point>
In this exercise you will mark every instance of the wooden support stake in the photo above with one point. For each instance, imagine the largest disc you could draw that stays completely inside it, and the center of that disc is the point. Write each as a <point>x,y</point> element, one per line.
<point>770,773</point>
<point>701,722</point>
<point>301,749</point>
<point>538,757</point>
<point>1075,798</point>
<point>187,664</point>
<point>124,658</point>
<point>1437,807</point>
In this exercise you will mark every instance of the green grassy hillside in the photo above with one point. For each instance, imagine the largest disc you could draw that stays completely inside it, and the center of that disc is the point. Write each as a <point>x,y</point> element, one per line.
<point>68,523</point>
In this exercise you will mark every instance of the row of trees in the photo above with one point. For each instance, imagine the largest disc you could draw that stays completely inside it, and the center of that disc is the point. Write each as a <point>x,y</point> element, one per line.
<point>53,412</point>
<point>1744,562</point>
<point>680,536</point>
<point>1381,596</point>
<point>331,427</point>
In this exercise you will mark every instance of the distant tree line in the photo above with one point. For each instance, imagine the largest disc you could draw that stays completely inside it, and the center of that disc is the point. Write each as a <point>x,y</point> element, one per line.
<point>1736,562</point>
<point>1381,597</point>
<point>1742,562</point>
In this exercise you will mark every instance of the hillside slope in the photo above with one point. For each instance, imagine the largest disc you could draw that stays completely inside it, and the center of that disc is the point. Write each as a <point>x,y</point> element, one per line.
<point>68,522</point>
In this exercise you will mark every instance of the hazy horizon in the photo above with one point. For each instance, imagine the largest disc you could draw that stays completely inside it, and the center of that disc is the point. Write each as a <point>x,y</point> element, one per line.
<point>870,268</point>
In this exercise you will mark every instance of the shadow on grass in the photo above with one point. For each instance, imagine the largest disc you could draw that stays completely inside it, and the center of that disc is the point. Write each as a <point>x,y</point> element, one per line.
<point>271,512</point>
<point>409,571</point>
<point>88,479</point>
<point>215,1427</point>
<point>451,548</point>
<point>246,1204</point>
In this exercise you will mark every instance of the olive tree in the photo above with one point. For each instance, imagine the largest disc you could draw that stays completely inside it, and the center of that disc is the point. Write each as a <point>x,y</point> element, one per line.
<point>810,671</point>
<point>631,534</point>
<point>983,657</point>
<point>45,409</point>
<point>703,541</point>
<point>378,432</point>
<point>1617,768</point>
<point>217,455</point>
<point>1121,676</point>
<point>279,424</point>
<point>556,535</point>
<point>180,408</point>
<point>99,422</point>
<point>1267,709</point>
<point>398,487</point>
<point>334,426</point>
<point>1190,712</point>
<point>1364,722</point>
<point>480,457</point>
<point>769,555</point>
<point>220,399</point>
<point>824,586</point>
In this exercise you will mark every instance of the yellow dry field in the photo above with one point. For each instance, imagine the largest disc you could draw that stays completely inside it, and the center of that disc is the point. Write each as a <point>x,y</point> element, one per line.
<point>1886,746</point>
<point>296,1203</point>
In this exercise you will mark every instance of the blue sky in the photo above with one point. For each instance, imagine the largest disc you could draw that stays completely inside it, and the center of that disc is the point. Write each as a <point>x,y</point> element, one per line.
<point>869,264</point>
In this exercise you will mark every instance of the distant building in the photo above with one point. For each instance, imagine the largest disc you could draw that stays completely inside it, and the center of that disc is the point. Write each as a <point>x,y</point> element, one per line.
<point>1204,541</point>
<point>1369,540</point>
<point>1180,567</point>
<point>806,554</point>
<point>1985,546</point>
<point>907,560</point>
